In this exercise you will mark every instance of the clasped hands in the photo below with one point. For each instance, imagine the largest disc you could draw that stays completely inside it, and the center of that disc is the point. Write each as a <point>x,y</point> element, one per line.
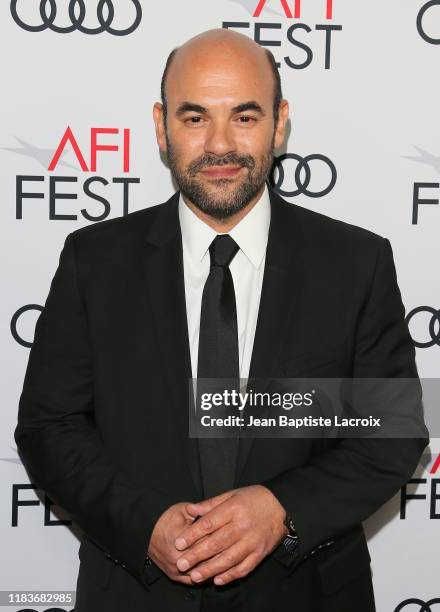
<point>234,533</point>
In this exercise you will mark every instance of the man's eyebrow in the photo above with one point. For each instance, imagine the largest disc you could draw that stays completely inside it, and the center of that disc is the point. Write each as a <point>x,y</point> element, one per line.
<point>246,106</point>
<point>188,107</point>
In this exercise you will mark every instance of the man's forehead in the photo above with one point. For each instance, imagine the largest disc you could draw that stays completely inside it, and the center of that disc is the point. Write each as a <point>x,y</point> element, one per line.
<point>204,102</point>
<point>214,79</point>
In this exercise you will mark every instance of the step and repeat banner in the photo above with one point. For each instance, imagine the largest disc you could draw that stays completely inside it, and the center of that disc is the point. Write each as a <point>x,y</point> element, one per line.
<point>77,146</point>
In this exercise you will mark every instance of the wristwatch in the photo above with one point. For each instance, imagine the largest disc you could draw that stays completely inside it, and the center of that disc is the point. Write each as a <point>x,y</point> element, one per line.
<point>291,540</point>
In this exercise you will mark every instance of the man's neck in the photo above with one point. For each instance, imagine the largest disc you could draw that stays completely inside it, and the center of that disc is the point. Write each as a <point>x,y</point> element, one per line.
<point>223,226</point>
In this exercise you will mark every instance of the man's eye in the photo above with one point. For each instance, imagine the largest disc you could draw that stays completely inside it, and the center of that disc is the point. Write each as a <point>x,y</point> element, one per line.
<point>246,119</point>
<point>194,119</point>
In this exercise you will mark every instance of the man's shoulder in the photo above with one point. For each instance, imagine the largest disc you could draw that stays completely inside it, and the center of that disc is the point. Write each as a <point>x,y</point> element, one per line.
<point>326,235</point>
<point>118,230</point>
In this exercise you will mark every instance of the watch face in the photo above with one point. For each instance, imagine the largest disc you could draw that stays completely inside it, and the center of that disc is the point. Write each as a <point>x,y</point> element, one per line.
<point>290,543</point>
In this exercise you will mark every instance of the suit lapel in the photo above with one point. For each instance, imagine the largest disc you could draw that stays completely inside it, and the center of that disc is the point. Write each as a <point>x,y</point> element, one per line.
<point>166,289</point>
<point>284,267</point>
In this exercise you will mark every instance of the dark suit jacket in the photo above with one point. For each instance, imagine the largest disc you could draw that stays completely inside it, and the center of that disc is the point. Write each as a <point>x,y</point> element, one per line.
<point>103,427</point>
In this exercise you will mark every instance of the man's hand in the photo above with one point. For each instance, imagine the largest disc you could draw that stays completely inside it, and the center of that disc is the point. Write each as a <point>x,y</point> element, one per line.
<point>162,549</point>
<point>235,532</point>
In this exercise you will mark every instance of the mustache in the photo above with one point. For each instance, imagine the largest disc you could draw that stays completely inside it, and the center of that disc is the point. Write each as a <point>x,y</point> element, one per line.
<point>207,161</point>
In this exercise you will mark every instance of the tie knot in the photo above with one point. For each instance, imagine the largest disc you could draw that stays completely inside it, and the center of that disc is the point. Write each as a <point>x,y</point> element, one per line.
<point>222,250</point>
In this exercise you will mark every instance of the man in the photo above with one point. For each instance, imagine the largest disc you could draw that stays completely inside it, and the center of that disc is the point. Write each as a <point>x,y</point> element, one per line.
<point>225,279</point>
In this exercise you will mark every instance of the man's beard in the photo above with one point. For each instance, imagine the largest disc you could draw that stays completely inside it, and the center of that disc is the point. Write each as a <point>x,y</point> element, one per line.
<point>221,204</point>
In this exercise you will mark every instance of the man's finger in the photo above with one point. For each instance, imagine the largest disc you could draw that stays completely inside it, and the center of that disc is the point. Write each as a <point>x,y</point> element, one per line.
<point>238,571</point>
<point>201,508</point>
<point>182,578</point>
<point>205,525</point>
<point>221,563</point>
<point>210,546</point>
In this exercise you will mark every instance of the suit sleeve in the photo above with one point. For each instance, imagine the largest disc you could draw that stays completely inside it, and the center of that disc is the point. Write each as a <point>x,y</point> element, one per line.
<point>57,438</point>
<point>344,485</point>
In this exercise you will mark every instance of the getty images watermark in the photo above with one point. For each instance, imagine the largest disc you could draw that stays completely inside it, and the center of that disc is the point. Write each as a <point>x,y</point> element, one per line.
<point>314,407</point>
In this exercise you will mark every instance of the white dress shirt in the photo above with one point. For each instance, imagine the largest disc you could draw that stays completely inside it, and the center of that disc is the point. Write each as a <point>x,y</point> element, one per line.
<point>247,268</point>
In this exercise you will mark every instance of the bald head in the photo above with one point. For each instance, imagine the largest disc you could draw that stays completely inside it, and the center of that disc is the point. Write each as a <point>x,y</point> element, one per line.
<point>212,50</point>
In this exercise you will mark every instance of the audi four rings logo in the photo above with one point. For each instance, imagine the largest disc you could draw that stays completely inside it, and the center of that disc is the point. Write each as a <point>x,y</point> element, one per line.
<point>47,610</point>
<point>105,13</point>
<point>421,28</point>
<point>302,179</point>
<point>15,319</point>
<point>434,322</point>
<point>422,606</point>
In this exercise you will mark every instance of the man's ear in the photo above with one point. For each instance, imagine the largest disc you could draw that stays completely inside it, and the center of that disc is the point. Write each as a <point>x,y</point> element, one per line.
<point>280,130</point>
<point>158,118</point>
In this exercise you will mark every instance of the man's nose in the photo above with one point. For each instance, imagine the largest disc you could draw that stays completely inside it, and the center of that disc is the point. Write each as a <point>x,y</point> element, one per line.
<point>219,139</point>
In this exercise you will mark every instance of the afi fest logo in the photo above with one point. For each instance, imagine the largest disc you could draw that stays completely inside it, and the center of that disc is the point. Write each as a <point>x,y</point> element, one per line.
<point>119,19</point>
<point>279,23</point>
<point>26,495</point>
<point>60,195</point>
<point>424,491</point>
<point>423,192</point>
<point>428,22</point>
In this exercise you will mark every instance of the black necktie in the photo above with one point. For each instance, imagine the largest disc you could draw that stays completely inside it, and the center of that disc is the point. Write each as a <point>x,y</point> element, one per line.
<point>218,358</point>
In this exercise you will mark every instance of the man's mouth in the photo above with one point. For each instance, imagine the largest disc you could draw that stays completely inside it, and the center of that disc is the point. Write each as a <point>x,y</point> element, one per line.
<point>218,172</point>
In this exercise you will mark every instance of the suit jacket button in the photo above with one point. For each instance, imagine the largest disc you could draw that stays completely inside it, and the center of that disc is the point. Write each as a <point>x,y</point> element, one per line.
<point>189,594</point>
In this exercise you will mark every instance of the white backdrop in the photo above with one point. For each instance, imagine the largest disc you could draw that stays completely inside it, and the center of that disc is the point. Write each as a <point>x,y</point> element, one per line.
<point>372,113</point>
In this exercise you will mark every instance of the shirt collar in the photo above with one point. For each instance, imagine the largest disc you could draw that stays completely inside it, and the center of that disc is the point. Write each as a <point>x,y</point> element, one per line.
<point>250,233</point>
